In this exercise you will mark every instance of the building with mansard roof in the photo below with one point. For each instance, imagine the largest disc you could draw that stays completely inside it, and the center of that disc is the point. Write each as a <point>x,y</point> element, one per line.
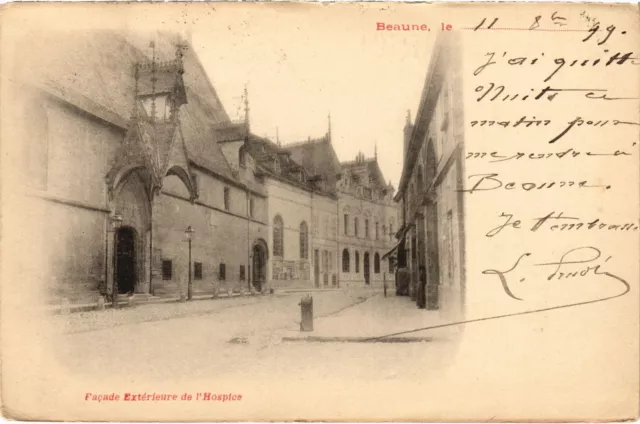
<point>126,145</point>
<point>368,219</point>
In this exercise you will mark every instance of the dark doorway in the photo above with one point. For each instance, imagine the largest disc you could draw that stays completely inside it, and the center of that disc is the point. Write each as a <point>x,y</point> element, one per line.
<point>366,268</point>
<point>126,257</point>
<point>259,267</point>
<point>316,267</point>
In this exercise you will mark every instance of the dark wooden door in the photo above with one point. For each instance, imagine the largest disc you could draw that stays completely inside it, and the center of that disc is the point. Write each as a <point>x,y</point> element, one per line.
<point>126,256</point>
<point>316,267</point>
<point>259,267</point>
<point>366,268</point>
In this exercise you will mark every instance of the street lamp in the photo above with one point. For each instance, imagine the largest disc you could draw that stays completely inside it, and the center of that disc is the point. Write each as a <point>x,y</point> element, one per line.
<point>189,234</point>
<point>116,222</point>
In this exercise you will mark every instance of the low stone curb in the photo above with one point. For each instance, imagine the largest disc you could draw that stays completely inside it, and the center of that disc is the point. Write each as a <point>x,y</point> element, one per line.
<point>124,304</point>
<point>329,339</point>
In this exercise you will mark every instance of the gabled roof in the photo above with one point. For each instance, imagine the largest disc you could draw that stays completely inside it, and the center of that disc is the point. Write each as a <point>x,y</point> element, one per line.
<point>97,76</point>
<point>97,65</point>
<point>318,158</point>
<point>200,139</point>
<point>270,155</point>
<point>372,167</point>
<point>230,131</point>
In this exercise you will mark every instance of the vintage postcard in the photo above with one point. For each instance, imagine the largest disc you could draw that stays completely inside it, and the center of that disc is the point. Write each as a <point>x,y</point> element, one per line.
<point>320,212</point>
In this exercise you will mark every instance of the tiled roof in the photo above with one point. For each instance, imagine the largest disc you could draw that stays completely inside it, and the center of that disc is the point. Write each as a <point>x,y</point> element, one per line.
<point>318,158</point>
<point>230,131</point>
<point>96,65</point>
<point>97,75</point>
<point>200,140</point>
<point>372,167</point>
<point>267,154</point>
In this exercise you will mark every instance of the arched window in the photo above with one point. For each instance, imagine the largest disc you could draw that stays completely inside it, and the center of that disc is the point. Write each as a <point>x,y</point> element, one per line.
<point>304,241</point>
<point>345,260</point>
<point>355,227</point>
<point>377,231</point>
<point>357,262</point>
<point>390,265</point>
<point>376,263</point>
<point>278,236</point>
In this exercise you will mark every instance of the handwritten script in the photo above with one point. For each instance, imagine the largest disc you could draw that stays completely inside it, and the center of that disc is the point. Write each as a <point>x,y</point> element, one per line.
<point>552,148</point>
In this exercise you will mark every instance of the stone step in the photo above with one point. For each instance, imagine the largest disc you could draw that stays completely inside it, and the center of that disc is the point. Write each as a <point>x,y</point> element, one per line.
<point>136,297</point>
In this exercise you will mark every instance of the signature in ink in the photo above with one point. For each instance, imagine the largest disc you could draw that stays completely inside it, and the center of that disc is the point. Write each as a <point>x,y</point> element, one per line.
<point>572,264</point>
<point>576,263</point>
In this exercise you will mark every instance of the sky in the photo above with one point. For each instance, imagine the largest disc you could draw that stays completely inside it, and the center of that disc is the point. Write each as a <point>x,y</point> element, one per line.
<point>300,67</point>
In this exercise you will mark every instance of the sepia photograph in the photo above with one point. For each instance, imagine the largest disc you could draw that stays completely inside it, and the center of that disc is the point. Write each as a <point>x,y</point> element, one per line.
<point>365,212</point>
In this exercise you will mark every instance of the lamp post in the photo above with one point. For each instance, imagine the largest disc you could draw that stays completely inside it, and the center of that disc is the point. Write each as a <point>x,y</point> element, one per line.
<point>189,234</point>
<point>116,222</point>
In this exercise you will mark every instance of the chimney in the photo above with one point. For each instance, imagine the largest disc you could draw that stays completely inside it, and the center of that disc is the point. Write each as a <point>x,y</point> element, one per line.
<point>408,129</point>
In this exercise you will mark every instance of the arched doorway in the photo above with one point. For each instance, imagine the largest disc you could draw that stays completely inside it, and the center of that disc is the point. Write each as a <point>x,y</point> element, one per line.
<point>127,270</point>
<point>133,238</point>
<point>366,268</point>
<point>259,264</point>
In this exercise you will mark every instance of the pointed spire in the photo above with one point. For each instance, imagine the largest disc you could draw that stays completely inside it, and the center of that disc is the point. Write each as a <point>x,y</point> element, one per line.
<point>278,136</point>
<point>152,44</point>
<point>181,46</point>
<point>329,129</point>
<point>408,116</point>
<point>246,107</point>
<point>136,76</point>
<point>375,150</point>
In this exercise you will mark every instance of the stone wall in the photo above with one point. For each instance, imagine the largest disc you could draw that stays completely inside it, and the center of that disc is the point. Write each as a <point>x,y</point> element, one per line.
<point>293,205</point>
<point>222,238</point>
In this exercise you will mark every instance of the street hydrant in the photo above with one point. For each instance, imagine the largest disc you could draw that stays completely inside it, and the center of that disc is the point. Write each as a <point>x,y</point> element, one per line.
<point>306,313</point>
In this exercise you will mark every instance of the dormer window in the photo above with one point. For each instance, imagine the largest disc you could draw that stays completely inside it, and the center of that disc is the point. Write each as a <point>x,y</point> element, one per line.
<point>242,157</point>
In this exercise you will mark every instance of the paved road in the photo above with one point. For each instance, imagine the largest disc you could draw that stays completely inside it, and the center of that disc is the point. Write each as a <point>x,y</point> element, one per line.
<point>501,368</point>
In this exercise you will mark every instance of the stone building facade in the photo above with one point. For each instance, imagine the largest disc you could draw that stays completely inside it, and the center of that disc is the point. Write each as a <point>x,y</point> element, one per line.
<point>367,221</point>
<point>432,236</point>
<point>130,130</point>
